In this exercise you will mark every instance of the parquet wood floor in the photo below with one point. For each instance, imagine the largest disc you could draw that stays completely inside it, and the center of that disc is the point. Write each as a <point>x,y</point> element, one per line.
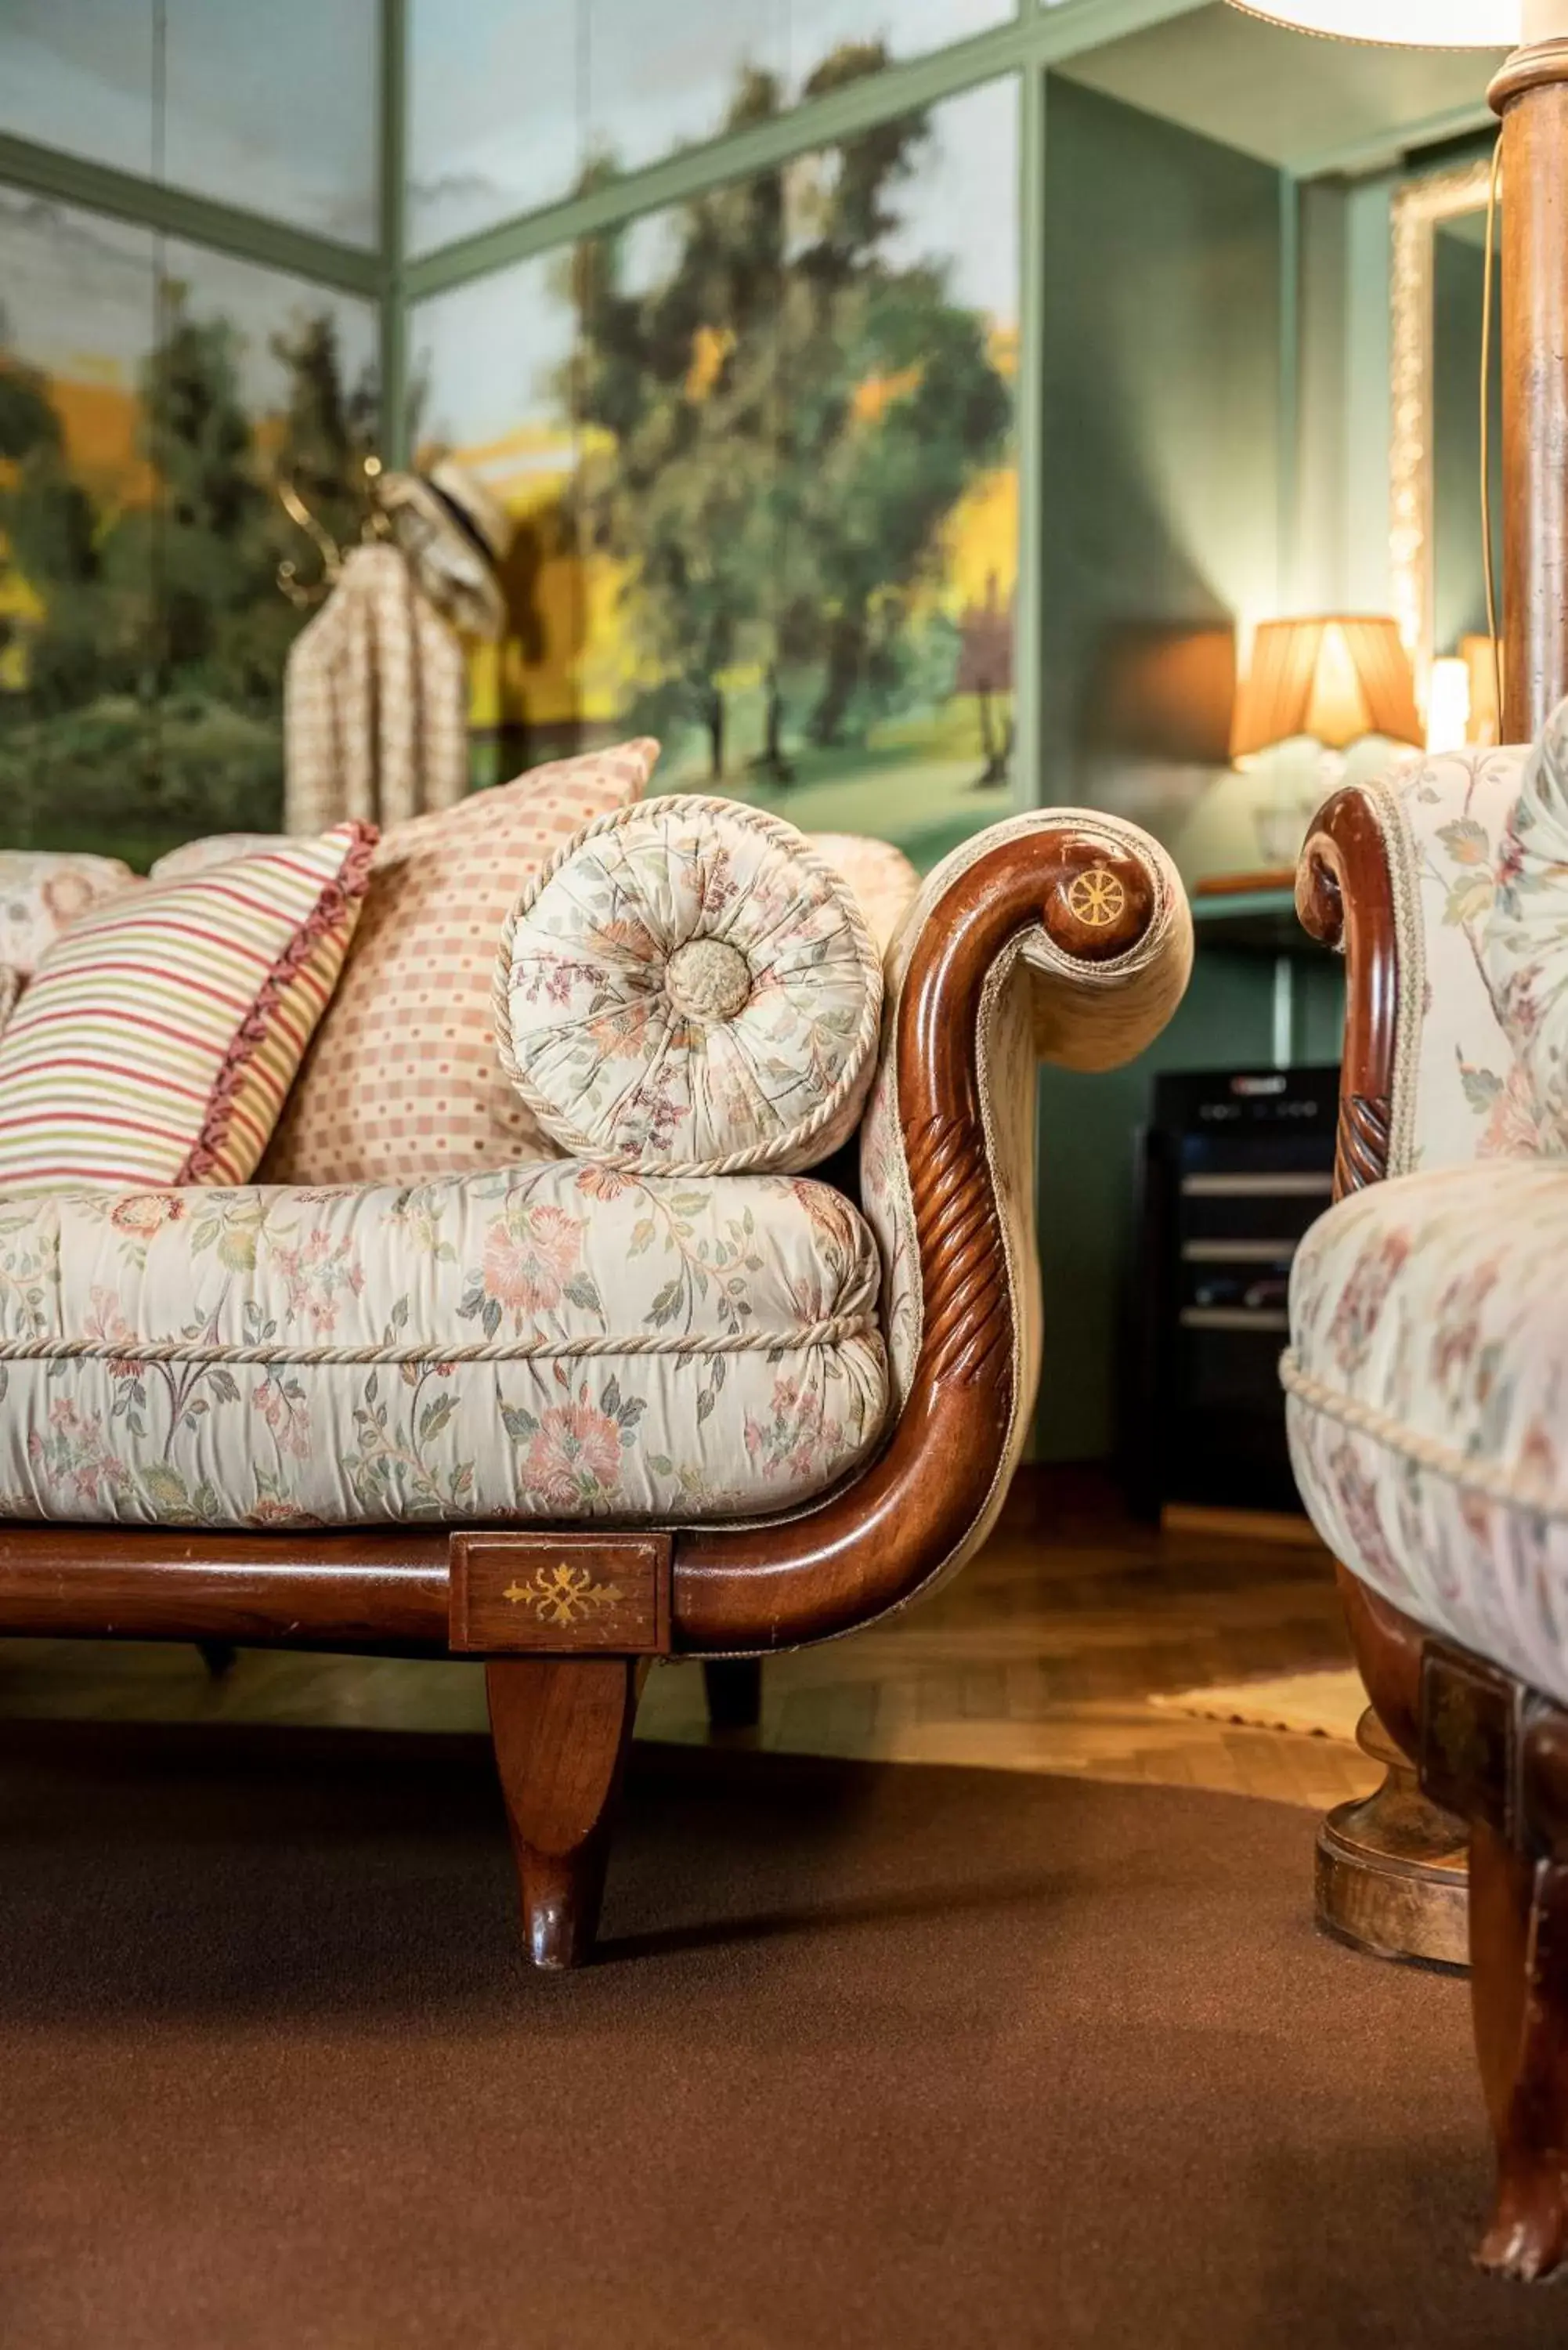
<point>1043,1656</point>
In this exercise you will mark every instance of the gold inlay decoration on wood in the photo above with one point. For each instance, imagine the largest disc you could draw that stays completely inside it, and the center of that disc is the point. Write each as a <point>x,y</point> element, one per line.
<point>1097,898</point>
<point>563,1594</point>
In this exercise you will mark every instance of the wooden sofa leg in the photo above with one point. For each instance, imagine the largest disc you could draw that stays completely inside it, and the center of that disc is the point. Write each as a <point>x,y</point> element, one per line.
<point>1519,1998</point>
<point>561,1727</point>
<point>734,1690</point>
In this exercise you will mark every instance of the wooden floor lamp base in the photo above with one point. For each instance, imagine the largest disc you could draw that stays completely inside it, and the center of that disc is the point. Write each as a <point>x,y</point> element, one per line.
<point>1392,1873</point>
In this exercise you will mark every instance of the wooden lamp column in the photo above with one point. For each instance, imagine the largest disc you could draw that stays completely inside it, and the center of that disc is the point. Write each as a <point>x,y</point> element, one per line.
<point>1530,94</point>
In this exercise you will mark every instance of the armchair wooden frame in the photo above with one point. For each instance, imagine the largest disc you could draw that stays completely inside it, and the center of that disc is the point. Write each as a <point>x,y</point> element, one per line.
<point>1484,1749</point>
<point>566,1620</point>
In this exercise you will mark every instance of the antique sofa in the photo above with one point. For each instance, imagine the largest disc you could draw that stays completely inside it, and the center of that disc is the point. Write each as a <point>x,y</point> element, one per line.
<point>1426,1376</point>
<point>660,1393</point>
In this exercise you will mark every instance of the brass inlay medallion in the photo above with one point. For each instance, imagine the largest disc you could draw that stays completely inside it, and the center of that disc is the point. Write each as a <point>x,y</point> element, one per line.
<point>1097,898</point>
<point>561,1593</point>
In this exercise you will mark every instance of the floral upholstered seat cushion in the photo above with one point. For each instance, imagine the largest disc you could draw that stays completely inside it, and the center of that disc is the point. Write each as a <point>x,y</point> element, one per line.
<point>554,1341</point>
<point>1427,1402</point>
<point>690,987</point>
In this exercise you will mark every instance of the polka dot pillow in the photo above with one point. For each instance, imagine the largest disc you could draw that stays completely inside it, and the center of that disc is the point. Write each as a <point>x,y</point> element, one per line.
<point>404,1081</point>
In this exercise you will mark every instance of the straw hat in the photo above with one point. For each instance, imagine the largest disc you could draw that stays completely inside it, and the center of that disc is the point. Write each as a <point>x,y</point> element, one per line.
<point>455,535</point>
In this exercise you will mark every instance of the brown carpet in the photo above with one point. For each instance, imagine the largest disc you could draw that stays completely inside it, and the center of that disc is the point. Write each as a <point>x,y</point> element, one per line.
<point>877,2055</point>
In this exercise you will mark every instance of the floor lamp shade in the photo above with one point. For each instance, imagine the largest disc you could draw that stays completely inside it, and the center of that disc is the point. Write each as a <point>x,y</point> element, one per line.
<point>1411,24</point>
<point>1336,680</point>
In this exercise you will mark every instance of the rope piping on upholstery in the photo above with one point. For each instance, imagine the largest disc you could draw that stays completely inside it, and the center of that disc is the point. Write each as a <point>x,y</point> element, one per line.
<point>1471,1476</point>
<point>833,1329</point>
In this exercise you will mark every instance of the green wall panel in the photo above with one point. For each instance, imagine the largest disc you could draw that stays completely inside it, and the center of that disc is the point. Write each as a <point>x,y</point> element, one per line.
<point>1159,523</point>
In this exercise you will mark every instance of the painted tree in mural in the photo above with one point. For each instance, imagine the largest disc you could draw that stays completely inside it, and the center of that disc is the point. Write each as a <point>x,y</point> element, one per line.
<point>785,418</point>
<point>148,701</point>
<point>85,627</point>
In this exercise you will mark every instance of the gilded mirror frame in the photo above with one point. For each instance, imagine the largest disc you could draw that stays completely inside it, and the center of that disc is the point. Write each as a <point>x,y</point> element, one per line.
<point>1418,210</point>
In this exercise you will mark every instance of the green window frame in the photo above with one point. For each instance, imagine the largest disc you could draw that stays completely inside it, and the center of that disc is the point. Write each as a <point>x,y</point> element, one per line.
<point>1040,35</point>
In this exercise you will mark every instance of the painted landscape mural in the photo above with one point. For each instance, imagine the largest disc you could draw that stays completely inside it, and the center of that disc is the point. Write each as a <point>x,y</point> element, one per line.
<point>150,395</point>
<point>759,446</point>
<point>613,85</point>
<point>760,453</point>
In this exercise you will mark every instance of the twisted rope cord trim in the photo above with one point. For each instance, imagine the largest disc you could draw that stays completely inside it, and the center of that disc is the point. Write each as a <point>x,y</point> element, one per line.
<point>1471,1476</point>
<point>1410,951</point>
<point>790,1147</point>
<point>834,1329</point>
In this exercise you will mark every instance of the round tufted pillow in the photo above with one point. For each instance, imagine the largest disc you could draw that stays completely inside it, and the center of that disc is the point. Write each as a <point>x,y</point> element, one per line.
<point>688,987</point>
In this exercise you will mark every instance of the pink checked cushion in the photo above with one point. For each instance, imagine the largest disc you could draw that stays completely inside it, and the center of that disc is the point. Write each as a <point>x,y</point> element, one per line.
<point>157,1039</point>
<point>404,1079</point>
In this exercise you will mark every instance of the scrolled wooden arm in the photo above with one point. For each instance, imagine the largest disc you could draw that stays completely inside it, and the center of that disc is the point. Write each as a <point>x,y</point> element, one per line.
<point>1345,897</point>
<point>874,1543</point>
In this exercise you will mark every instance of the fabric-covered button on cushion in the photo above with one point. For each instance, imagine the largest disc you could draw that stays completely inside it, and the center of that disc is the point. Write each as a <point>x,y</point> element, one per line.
<point>690,987</point>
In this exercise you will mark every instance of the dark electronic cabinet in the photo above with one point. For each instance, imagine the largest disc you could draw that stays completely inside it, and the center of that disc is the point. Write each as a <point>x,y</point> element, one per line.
<point>1234,1169</point>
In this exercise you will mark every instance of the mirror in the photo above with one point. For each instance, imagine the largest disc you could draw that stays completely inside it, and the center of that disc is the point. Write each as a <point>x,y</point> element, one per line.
<point>1438,550</point>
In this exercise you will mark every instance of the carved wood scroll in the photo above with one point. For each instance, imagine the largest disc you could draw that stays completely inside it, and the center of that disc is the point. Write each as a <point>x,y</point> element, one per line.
<point>876,1543</point>
<point>1344,896</point>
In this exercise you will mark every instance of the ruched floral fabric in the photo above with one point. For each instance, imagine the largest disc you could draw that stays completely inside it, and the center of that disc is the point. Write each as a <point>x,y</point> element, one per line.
<point>552,1341</point>
<point>884,883</point>
<point>1525,949</point>
<point>689,986</point>
<point>1461,1090</point>
<point>1427,1402</point>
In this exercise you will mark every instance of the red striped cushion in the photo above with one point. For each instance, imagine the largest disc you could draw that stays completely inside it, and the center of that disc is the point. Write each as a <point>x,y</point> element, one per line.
<point>158,1037</point>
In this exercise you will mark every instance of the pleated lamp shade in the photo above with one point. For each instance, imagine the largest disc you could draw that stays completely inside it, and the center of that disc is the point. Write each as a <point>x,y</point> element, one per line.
<point>1334,679</point>
<point>1409,23</point>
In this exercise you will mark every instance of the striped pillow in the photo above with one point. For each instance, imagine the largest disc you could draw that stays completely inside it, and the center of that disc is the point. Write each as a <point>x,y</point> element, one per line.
<point>160,1036</point>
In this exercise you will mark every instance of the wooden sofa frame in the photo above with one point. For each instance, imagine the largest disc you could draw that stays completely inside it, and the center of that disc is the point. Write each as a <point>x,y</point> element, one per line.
<point>567,1621</point>
<point>1485,1747</point>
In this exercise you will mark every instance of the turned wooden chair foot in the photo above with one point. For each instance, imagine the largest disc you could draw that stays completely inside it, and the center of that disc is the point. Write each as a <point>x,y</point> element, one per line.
<point>1390,1876</point>
<point>561,1727</point>
<point>1519,1998</point>
<point>735,1692</point>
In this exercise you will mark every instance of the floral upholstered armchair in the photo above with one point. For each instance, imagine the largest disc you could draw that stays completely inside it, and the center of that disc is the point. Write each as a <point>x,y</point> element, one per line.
<point>692,1310</point>
<point>1427,1378</point>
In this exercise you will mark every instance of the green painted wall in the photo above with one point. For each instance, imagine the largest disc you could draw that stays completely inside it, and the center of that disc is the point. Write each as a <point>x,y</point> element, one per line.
<point>1161,508</point>
<point>1162,446</point>
<point>1088,1135</point>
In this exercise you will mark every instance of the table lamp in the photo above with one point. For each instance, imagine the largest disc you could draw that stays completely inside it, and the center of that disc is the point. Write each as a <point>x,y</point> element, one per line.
<point>1530,95</point>
<point>1333,678</point>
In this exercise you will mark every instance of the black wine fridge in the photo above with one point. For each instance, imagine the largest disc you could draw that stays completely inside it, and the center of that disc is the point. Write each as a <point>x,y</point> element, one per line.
<point>1234,1166</point>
